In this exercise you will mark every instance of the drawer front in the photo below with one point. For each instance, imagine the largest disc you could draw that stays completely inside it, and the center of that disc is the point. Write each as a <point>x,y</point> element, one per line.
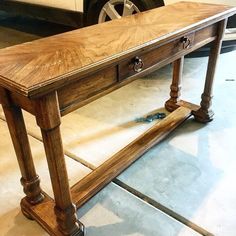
<point>86,88</point>
<point>180,46</point>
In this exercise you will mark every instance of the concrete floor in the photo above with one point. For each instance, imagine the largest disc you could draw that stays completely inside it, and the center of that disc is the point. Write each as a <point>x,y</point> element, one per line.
<point>186,181</point>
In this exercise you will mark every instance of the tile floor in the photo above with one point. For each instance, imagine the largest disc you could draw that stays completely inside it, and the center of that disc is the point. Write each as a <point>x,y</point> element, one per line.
<point>187,180</point>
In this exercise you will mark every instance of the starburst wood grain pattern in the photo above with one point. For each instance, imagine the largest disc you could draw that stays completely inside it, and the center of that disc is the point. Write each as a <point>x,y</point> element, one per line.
<point>48,63</point>
<point>53,76</point>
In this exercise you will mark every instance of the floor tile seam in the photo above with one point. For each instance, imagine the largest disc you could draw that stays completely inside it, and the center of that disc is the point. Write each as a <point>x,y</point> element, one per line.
<point>67,153</point>
<point>167,211</point>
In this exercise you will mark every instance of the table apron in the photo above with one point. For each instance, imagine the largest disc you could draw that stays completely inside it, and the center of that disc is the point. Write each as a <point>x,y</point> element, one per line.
<point>77,94</point>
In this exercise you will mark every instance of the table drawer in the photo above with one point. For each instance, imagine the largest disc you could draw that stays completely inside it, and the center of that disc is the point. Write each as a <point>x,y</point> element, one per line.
<point>180,46</point>
<point>86,88</point>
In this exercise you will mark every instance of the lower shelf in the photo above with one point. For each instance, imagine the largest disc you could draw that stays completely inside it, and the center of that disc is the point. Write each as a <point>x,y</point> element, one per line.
<point>85,189</point>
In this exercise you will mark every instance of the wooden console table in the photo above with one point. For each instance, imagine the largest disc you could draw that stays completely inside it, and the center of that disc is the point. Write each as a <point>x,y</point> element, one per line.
<point>53,76</point>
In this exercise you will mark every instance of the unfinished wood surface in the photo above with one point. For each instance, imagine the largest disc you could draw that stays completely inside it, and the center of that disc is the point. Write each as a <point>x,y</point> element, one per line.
<point>96,180</point>
<point>46,64</point>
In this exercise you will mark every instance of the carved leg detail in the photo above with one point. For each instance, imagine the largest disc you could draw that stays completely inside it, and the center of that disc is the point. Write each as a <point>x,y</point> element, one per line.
<point>67,219</point>
<point>205,114</point>
<point>175,87</point>
<point>32,190</point>
<point>16,125</point>
<point>48,119</point>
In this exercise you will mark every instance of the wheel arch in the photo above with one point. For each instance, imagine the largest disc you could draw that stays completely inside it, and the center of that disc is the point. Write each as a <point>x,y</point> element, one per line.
<point>90,6</point>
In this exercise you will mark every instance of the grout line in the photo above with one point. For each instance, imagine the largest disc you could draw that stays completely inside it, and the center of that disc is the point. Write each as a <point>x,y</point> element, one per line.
<point>162,208</point>
<point>136,193</point>
<point>69,154</point>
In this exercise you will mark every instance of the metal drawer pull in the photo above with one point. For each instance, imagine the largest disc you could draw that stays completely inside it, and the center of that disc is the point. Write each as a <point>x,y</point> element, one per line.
<point>138,64</point>
<point>186,42</point>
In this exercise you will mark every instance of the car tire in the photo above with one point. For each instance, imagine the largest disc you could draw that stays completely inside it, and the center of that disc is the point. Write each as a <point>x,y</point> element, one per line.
<point>95,10</point>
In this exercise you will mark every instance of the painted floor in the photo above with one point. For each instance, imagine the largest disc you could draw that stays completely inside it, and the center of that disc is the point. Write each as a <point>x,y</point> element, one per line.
<point>186,181</point>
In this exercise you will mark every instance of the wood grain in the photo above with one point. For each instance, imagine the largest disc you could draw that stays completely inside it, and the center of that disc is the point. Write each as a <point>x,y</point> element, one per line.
<point>86,88</point>
<point>43,213</point>
<point>167,51</point>
<point>96,180</point>
<point>23,102</point>
<point>55,75</point>
<point>46,64</point>
<point>15,121</point>
<point>205,113</point>
<point>89,88</point>
<point>175,88</point>
<point>48,119</point>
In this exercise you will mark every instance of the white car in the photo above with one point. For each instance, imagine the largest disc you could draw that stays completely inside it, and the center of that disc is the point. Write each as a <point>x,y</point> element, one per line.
<point>88,11</point>
<point>81,13</point>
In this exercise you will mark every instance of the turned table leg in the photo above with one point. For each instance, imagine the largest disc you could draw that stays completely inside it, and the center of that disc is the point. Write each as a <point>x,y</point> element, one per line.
<point>49,120</point>
<point>15,121</point>
<point>205,114</point>
<point>175,88</point>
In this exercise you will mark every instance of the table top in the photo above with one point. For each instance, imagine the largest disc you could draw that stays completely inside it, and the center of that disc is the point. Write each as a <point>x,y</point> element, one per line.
<point>49,63</point>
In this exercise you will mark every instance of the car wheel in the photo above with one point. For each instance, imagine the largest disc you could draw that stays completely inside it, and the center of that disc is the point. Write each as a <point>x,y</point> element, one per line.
<point>105,10</point>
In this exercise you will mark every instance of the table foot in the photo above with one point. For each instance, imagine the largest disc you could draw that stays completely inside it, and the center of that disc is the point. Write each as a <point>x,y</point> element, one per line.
<point>80,231</point>
<point>203,116</point>
<point>171,105</point>
<point>44,214</point>
<point>68,222</point>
